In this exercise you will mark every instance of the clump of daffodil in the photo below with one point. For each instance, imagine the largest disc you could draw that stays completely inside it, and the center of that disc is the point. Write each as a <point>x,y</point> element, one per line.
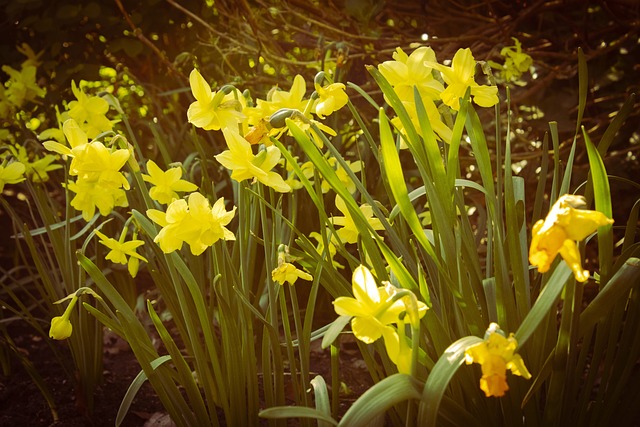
<point>121,249</point>
<point>21,86</point>
<point>496,355</point>
<point>239,158</point>
<point>166,184</point>
<point>37,167</point>
<point>213,110</point>
<point>99,183</point>
<point>460,76</point>
<point>194,222</point>
<point>408,71</point>
<point>61,327</point>
<point>89,112</point>
<point>286,272</point>
<point>348,233</point>
<point>374,309</point>
<point>566,223</point>
<point>278,99</point>
<point>11,173</point>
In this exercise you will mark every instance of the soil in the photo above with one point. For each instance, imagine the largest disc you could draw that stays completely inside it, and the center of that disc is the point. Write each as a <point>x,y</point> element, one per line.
<point>22,404</point>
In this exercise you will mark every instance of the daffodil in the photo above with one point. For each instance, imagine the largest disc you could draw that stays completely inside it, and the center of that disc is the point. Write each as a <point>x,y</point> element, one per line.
<point>277,99</point>
<point>342,174</point>
<point>566,223</point>
<point>194,222</point>
<point>121,249</point>
<point>36,167</point>
<point>61,327</point>
<point>89,112</point>
<point>22,86</point>
<point>442,131</point>
<point>239,158</point>
<point>331,98</point>
<point>372,308</point>
<point>11,173</point>
<point>95,194</point>
<point>408,71</point>
<point>166,184</point>
<point>331,253</point>
<point>75,136</point>
<point>286,271</point>
<point>459,77</point>
<point>348,233</point>
<point>516,62</point>
<point>212,110</point>
<point>496,355</point>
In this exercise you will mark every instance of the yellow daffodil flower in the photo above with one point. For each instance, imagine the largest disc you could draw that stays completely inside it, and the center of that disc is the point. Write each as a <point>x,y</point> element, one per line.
<point>22,86</point>
<point>11,173</point>
<point>442,131</point>
<point>566,222</point>
<point>459,77</point>
<point>373,309</point>
<point>75,136</point>
<point>239,158</point>
<point>212,110</point>
<point>349,232</point>
<point>120,250</point>
<point>331,253</point>
<point>407,71</point>
<point>95,194</point>
<point>516,62</point>
<point>37,170</point>
<point>331,98</point>
<point>89,112</point>
<point>345,179</point>
<point>194,222</point>
<point>61,327</point>
<point>285,271</point>
<point>167,183</point>
<point>496,355</point>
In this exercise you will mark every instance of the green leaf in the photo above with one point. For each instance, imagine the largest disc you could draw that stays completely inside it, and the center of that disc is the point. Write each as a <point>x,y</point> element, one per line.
<point>296,412</point>
<point>611,293</point>
<point>334,330</point>
<point>379,398</point>
<point>321,394</point>
<point>134,387</point>
<point>544,303</point>
<point>602,197</point>
<point>439,378</point>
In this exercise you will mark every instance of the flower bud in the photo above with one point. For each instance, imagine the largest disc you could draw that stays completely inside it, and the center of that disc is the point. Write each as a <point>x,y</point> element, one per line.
<point>61,328</point>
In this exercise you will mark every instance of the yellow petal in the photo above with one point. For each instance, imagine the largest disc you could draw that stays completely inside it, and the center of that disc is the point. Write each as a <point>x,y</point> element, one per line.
<point>199,87</point>
<point>571,256</point>
<point>367,329</point>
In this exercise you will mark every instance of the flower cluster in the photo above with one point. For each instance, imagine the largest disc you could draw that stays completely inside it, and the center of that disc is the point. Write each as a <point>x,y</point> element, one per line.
<point>194,222</point>
<point>99,183</point>
<point>417,70</point>
<point>21,87</point>
<point>245,125</point>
